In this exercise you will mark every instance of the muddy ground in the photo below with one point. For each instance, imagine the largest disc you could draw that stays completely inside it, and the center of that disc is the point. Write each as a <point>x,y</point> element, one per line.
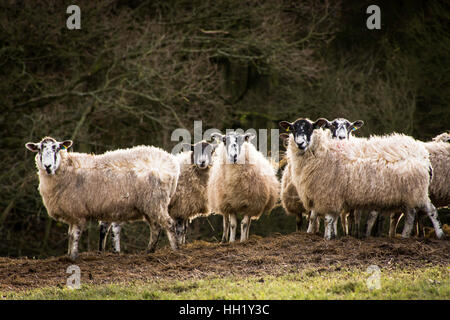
<point>275,255</point>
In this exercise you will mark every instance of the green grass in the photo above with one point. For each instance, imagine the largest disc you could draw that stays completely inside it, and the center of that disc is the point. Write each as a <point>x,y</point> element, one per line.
<point>424,283</point>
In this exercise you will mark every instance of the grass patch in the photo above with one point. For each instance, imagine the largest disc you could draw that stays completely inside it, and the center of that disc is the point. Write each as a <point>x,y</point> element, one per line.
<point>423,283</point>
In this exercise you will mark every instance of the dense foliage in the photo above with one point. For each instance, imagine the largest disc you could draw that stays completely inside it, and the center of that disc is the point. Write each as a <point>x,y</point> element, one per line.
<point>137,70</point>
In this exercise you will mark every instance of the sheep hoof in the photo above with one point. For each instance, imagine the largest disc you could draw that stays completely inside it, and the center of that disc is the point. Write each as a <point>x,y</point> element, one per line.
<point>440,235</point>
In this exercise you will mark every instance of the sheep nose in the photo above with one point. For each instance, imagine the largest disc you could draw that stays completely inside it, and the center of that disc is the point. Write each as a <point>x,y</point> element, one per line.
<point>341,137</point>
<point>235,158</point>
<point>47,168</point>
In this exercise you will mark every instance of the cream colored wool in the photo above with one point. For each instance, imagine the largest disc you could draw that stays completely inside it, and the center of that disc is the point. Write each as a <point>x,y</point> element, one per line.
<point>334,176</point>
<point>439,190</point>
<point>443,137</point>
<point>117,186</point>
<point>191,198</point>
<point>248,188</point>
<point>289,197</point>
<point>440,161</point>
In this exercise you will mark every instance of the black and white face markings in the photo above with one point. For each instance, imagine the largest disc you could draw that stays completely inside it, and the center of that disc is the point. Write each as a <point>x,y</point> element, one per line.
<point>342,128</point>
<point>233,143</point>
<point>48,153</point>
<point>302,130</point>
<point>202,154</point>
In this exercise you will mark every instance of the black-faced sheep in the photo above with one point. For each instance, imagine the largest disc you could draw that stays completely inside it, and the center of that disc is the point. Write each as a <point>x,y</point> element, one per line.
<point>375,173</point>
<point>341,129</point>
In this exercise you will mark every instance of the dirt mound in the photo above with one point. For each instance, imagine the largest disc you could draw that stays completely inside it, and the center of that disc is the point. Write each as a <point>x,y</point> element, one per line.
<point>275,255</point>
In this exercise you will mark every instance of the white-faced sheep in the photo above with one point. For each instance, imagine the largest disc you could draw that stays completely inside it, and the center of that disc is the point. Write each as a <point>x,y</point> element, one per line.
<point>439,150</point>
<point>341,129</point>
<point>190,199</point>
<point>120,185</point>
<point>242,181</point>
<point>376,173</point>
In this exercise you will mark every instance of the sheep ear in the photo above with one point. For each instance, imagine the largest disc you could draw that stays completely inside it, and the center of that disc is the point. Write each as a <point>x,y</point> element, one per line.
<point>65,144</point>
<point>286,125</point>
<point>249,136</point>
<point>34,147</point>
<point>217,136</point>
<point>321,123</point>
<point>187,146</point>
<point>356,125</point>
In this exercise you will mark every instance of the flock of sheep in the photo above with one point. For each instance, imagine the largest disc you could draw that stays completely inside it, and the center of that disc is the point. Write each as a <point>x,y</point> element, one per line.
<point>329,174</point>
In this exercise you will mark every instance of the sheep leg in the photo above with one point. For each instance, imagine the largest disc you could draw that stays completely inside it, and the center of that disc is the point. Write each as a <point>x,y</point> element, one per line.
<point>244,228</point>
<point>433,215</point>
<point>335,223</point>
<point>393,221</point>
<point>312,222</point>
<point>226,229</point>
<point>69,248</point>
<point>409,223</point>
<point>186,223</point>
<point>155,231</point>
<point>299,221</point>
<point>329,226</point>
<point>116,227</point>
<point>104,228</point>
<point>162,217</point>
<point>419,223</point>
<point>357,221</point>
<point>379,225</point>
<point>350,223</point>
<point>180,229</point>
<point>75,234</point>
<point>248,228</point>
<point>233,226</point>
<point>371,221</point>
<point>317,225</point>
<point>344,223</point>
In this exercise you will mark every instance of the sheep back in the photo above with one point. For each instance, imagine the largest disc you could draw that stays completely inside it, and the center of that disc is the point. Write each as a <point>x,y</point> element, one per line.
<point>360,173</point>
<point>116,186</point>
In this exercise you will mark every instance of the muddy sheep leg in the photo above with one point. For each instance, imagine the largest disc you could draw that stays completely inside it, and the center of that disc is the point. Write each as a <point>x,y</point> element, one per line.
<point>226,229</point>
<point>104,228</point>
<point>335,223</point>
<point>329,226</point>
<point>248,228</point>
<point>370,222</point>
<point>357,221</point>
<point>233,227</point>
<point>245,224</point>
<point>344,222</point>
<point>312,222</point>
<point>75,234</point>
<point>410,215</point>
<point>186,223</point>
<point>69,233</point>
<point>116,227</point>
<point>393,221</point>
<point>155,231</point>
<point>433,215</point>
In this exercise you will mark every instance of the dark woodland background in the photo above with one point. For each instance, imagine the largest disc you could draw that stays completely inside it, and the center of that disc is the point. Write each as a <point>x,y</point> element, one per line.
<point>137,70</point>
